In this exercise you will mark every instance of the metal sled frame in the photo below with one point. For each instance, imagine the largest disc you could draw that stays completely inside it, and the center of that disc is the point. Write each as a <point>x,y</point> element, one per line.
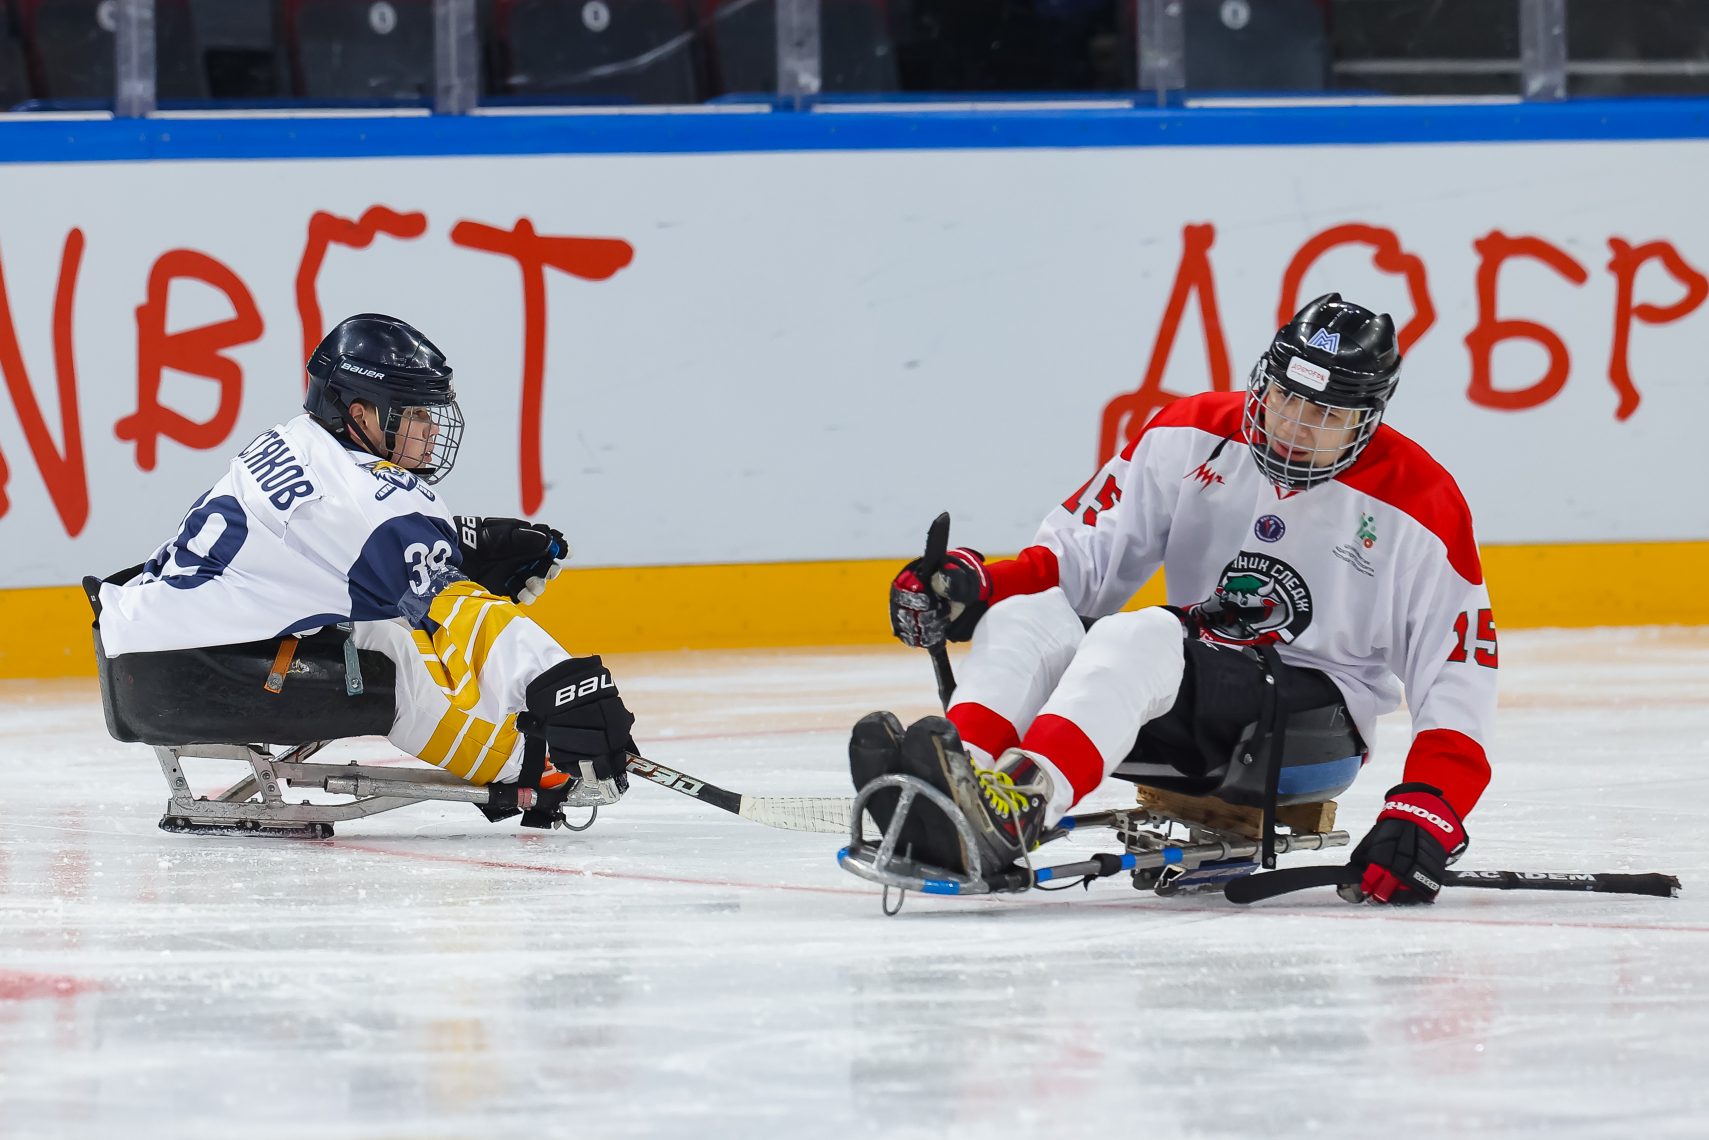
<point>255,804</point>
<point>1161,852</point>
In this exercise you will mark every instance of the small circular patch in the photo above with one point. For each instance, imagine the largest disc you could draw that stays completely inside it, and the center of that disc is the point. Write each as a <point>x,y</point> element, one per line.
<point>1269,528</point>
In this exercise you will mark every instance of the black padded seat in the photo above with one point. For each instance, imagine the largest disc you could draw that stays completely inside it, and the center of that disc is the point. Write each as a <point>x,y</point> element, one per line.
<point>1322,757</point>
<point>216,695</point>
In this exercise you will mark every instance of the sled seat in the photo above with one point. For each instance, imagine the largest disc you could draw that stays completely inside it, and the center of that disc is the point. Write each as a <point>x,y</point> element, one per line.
<point>271,705</point>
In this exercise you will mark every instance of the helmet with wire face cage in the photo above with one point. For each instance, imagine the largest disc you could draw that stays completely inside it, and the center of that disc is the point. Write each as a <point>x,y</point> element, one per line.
<point>386,362</point>
<point>1317,395</point>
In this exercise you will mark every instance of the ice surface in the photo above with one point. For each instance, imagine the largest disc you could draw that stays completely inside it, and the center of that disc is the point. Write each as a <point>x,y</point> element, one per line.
<point>681,972</point>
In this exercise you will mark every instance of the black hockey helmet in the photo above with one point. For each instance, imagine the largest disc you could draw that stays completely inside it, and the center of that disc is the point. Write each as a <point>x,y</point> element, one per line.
<point>1336,357</point>
<point>386,362</point>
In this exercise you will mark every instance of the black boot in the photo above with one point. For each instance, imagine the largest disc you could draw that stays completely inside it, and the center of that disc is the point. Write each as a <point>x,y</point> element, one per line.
<point>1004,805</point>
<point>875,749</point>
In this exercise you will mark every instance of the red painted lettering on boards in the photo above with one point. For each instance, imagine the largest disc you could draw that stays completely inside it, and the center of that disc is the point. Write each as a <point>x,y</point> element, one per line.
<point>591,259</point>
<point>1493,250</point>
<point>1627,260</point>
<point>326,230</point>
<point>1127,414</point>
<point>1389,257</point>
<point>63,471</point>
<point>198,351</point>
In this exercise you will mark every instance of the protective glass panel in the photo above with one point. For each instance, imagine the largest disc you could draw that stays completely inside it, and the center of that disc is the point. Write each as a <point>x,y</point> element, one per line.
<point>1424,47</point>
<point>1637,47</point>
<point>642,52</point>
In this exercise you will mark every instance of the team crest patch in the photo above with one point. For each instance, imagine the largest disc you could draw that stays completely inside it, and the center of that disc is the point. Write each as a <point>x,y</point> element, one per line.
<point>1326,340</point>
<point>1269,528</point>
<point>395,479</point>
<point>1259,600</point>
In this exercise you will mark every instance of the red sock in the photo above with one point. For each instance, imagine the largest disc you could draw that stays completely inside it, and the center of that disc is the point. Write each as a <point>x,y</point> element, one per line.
<point>982,728</point>
<point>1069,751</point>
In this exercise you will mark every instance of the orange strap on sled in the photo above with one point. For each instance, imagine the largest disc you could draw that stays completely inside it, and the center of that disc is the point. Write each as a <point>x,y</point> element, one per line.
<point>281,664</point>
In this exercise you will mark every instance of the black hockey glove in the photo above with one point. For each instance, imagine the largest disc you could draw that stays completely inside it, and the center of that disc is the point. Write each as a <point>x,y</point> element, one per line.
<point>959,594</point>
<point>511,557</point>
<point>575,709</point>
<point>1406,855</point>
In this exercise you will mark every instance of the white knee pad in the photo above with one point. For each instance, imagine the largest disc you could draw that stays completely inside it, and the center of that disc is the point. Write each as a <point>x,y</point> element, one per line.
<point>1019,652</point>
<point>1127,672</point>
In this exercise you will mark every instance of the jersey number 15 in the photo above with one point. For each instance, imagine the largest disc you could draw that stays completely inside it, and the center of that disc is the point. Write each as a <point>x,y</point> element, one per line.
<point>1484,654</point>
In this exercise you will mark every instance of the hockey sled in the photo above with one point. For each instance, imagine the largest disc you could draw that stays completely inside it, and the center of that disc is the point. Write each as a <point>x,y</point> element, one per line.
<point>272,709</point>
<point>1188,833</point>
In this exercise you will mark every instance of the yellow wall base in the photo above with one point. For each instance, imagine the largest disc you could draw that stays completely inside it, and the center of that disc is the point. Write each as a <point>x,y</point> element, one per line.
<point>625,610</point>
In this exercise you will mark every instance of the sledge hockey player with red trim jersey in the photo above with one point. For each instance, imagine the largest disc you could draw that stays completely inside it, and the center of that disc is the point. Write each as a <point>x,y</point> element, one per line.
<point>331,518</point>
<point>1316,560</point>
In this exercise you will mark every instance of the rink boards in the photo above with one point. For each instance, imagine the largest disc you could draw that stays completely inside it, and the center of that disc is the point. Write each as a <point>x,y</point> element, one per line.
<point>742,357</point>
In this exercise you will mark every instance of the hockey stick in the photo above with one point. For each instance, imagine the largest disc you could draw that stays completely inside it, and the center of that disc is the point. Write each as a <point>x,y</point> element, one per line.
<point>829,815</point>
<point>1256,888</point>
<point>937,545</point>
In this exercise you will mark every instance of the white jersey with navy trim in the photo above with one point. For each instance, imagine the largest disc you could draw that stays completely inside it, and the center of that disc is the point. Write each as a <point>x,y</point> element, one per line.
<point>301,532</point>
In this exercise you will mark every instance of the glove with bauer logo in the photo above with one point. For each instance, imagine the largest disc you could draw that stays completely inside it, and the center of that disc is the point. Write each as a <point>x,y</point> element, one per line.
<point>575,709</point>
<point>1406,854</point>
<point>511,557</point>
<point>959,594</point>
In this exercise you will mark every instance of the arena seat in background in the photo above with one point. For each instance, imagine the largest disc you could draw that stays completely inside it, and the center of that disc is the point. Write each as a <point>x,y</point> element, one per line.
<point>858,45</point>
<point>14,66</point>
<point>1250,45</point>
<point>1644,47</point>
<point>1260,45</point>
<point>641,51</point>
<point>360,49</point>
<point>70,45</point>
<point>243,48</point>
<point>1444,47</point>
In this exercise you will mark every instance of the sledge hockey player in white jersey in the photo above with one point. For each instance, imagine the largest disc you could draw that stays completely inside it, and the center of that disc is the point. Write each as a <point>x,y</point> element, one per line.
<point>331,518</point>
<point>1316,560</point>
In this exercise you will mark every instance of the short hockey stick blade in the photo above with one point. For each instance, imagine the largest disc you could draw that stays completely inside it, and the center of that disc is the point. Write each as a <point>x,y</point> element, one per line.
<point>1269,884</point>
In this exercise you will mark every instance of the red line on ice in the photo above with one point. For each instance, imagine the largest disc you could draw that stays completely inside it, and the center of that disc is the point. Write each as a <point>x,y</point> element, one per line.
<point>581,872</point>
<point>17,985</point>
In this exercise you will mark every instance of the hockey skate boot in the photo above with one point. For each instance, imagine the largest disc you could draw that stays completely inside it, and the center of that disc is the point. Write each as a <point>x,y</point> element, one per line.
<point>1004,806</point>
<point>875,749</point>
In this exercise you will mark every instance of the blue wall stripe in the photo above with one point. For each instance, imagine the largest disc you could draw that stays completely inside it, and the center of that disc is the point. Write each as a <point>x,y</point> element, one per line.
<point>712,132</point>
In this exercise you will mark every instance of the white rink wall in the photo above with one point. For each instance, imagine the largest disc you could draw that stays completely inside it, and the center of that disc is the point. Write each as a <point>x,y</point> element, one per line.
<point>802,355</point>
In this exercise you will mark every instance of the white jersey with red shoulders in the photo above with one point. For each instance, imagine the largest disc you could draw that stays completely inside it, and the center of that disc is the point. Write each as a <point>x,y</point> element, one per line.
<point>1373,577</point>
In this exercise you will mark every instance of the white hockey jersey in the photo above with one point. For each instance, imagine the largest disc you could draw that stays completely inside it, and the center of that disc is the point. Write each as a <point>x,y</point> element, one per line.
<point>1372,578</point>
<point>303,532</point>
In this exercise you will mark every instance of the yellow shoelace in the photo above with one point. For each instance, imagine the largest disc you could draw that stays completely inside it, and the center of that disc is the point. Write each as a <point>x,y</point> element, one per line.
<point>1000,792</point>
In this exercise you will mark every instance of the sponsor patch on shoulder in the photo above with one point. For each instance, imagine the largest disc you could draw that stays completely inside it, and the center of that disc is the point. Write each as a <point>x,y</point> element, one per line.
<point>1307,373</point>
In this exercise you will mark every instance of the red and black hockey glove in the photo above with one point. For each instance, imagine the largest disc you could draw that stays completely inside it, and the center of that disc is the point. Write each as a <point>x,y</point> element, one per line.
<point>1406,855</point>
<point>957,597</point>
